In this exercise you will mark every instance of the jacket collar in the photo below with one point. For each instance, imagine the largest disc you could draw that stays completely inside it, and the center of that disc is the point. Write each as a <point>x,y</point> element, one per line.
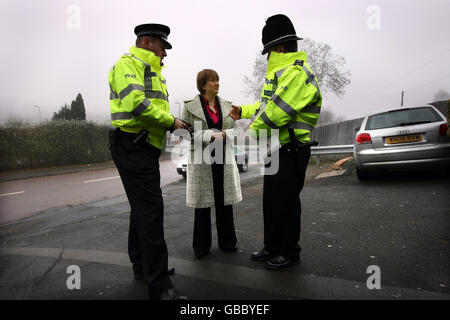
<point>148,57</point>
<point>280,60</point>
<point>195,107</point>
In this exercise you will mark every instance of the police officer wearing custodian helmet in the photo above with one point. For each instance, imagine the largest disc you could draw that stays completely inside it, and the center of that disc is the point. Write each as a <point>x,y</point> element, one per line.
<point>290,102</point>
<point>140,114</point>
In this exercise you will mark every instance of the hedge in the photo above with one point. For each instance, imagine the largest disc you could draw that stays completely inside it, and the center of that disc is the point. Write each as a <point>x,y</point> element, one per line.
<point>54,143</point>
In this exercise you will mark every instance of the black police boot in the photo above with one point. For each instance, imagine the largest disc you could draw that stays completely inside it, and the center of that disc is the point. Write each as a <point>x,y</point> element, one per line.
<point>171,271</point>
<point>201,254</point>
<point>137,271</point>
<point>281,262</point>
<point>262,255</point>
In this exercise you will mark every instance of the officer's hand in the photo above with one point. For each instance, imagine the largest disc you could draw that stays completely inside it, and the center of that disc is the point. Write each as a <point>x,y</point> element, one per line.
<point>188,126</point>
<point>235,112</point>
<point>179,124</point>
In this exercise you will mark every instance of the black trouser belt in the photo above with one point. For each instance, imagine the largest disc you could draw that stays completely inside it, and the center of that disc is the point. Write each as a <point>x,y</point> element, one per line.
<point>136,139</point>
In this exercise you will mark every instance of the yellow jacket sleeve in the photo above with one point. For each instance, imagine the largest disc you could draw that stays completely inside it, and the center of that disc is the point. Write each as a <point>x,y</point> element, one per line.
<point>247,111</point>
<point>290,97</point>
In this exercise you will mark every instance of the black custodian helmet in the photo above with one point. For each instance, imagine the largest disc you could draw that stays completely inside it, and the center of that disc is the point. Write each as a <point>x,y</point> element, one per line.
<point>278,29</point>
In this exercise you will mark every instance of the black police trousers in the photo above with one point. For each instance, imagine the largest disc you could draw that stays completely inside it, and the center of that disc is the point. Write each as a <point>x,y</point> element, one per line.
<point>281,202</point>
<point>138,166</point>
<point>226,234</point>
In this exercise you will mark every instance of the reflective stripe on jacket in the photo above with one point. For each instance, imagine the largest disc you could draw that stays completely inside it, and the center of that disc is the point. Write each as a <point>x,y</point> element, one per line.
<point>139,97</point>
<point>291,98</point>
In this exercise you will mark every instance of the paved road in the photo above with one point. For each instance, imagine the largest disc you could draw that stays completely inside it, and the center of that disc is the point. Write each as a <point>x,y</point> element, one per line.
<point>398,222</point>
<point>24,197</point>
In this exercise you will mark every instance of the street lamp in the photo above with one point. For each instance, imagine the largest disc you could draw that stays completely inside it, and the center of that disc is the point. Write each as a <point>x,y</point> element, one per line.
<point>39,109</point>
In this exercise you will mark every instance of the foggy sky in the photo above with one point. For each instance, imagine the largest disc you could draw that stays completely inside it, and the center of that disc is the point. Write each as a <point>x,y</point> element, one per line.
<point>46,62</point>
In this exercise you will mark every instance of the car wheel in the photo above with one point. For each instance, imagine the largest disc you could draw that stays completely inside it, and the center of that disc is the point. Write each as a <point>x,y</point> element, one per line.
<point>362,175</point>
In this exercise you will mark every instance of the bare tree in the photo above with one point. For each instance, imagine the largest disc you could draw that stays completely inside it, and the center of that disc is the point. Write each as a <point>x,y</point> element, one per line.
<point>325,64</point>
<point>441,95</point>
<point>253,85</point>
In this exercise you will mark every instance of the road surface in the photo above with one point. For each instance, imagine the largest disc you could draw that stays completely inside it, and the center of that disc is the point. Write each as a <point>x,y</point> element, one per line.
<point>22,198</point>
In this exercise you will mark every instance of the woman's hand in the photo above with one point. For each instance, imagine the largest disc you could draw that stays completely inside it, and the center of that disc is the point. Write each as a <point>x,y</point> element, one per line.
<point>218,135</point>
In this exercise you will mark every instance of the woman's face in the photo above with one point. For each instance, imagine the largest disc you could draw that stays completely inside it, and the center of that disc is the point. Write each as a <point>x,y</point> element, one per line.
<point>212,87</point>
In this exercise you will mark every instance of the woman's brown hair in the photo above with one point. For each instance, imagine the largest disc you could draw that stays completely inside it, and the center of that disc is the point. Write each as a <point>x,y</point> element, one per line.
<point>204,76</point>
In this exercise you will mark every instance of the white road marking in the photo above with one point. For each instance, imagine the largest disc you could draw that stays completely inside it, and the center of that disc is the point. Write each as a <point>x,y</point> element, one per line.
<point>10,194</point>
<point>88,181</point>
<point>329,213</point>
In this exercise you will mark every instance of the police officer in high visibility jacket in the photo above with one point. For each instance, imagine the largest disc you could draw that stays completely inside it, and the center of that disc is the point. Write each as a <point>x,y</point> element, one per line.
<point>140,115</point>
<point>290,102</point>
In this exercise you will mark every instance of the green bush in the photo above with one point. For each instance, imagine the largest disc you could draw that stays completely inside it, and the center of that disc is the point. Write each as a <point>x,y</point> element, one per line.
<point>54,143</point>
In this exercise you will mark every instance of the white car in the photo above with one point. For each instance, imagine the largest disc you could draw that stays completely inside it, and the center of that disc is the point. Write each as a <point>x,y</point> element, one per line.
<point>240,155</point>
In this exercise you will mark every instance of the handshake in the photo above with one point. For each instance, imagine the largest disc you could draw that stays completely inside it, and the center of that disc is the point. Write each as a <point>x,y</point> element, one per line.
<point>235,112</point>
<point>180,124</point>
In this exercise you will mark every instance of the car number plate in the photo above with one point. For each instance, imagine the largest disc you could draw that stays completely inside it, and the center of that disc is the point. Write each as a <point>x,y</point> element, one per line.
<point>404,139</point>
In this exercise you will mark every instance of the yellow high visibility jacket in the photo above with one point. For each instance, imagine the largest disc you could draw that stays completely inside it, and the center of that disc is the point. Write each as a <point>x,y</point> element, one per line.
<point>139,97</point>
<point>290,98</point>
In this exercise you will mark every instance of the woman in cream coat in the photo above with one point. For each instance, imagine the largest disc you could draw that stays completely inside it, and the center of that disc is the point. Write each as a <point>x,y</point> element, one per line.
<point>212,180</point>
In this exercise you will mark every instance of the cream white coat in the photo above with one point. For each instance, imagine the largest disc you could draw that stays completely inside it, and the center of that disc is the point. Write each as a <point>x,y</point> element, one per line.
<point>199,186</point>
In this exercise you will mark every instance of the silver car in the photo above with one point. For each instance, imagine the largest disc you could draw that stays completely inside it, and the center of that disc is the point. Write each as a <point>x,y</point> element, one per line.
<point>402,139</point>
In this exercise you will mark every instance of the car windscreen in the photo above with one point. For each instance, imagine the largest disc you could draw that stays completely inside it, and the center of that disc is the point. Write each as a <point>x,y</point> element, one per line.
<point>398,118</point>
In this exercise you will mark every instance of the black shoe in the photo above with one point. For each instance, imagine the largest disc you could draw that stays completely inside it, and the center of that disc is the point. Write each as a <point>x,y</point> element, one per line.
<point>171,294</point>
<point>262,255</point>
<point>281,262</point>
<point>201,254</point>
<point>171,271</point>
<point>137,271</point>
